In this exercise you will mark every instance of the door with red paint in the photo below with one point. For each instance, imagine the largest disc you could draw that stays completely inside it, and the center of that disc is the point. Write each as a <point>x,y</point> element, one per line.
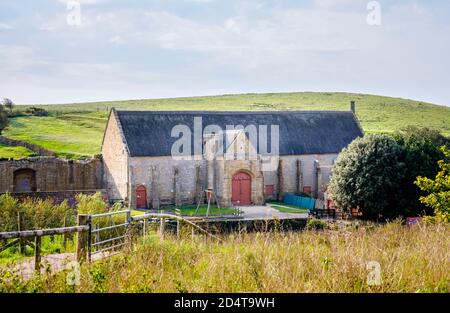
<point>141,197</point>
<point>241,189</point>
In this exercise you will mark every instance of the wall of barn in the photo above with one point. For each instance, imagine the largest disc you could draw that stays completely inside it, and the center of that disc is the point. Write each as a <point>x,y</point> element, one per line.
<point>295,172</point>
<point>167,181</point>
<point>115,158</point>
<point>53,174</point>
<point>170,181</point>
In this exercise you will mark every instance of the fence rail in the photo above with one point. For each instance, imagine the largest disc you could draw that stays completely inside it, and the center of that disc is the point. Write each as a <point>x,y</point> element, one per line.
<point>42,232</point>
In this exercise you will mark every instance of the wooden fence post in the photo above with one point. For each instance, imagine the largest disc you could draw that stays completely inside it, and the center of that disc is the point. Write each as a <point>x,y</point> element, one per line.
<point>82,238</point>
<point>178,213</point>
<point>162,226</point>
<point>64,239</point>
<point>144,227</point>
<point>128,232</point>
<point>37,254</point>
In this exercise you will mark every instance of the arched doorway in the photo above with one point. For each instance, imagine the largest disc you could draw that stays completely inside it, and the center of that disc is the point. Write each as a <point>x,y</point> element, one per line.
<point>24,180</point>
<point>141,197</point>
<point>241,189</point>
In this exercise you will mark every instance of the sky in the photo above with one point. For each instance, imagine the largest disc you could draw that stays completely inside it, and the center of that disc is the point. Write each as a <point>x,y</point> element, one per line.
<point>62,51</point>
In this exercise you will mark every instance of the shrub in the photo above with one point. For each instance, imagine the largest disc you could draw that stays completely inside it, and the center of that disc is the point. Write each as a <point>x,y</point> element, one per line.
<point>439,190</point>
<point>9,208</point>
<point>368,175</point>
<point>91,204</point>
<point>36,111</point>
<point>421,156</point>
<point>315,224</point>
<point>3,118</point>
<point>36,213</point>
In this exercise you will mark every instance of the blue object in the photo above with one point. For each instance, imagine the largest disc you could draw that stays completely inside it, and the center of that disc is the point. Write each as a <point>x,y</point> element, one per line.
<point>302,202</point>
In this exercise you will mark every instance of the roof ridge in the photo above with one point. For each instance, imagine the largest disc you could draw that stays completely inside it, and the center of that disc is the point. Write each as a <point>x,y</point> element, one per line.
<point>228,112</point>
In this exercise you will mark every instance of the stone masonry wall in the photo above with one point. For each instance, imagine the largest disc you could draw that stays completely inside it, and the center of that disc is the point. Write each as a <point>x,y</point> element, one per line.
<point>170,181</point>
<point>115,159</point>
<point>53,174</point>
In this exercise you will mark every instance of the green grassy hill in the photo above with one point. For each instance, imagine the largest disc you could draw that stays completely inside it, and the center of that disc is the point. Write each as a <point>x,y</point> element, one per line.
<point>75,130</point>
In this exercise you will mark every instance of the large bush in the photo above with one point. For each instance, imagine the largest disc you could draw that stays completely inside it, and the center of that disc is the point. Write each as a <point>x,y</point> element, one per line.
<point>368,175</point>
<point>35,213</point>
<point>3,118</point>
<point>422,153</point>
<point>438,197</point>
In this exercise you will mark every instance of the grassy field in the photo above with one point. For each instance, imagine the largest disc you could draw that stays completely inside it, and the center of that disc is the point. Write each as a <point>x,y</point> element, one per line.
<point>76,130</point>
<point>189,210</point>
<point>10,152</point>
<point>411,259</point>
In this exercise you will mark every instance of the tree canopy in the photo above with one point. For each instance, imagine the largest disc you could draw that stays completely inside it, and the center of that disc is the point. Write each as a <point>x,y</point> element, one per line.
<point>438,189</point>
<point>368,175</point>
<point>3,118</point>
<point>376,174</point>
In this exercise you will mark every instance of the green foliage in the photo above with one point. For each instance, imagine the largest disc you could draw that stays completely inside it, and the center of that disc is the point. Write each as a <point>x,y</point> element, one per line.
<point>3,119</point>
<point>36,111</point>
<point>368,175</point>
<point>421,157</point>
<point>91,204</point>
<point>36,213</point>
<point>8,104</point>
<point>315,224</point>
<point>438,189</point>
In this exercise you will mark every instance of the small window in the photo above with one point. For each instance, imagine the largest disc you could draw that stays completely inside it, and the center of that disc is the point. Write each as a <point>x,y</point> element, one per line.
<point>269,190</point>
<point>307,190</point>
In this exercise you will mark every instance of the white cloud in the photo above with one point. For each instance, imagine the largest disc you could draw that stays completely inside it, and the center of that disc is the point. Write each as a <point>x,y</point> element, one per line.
<point>5,26</point>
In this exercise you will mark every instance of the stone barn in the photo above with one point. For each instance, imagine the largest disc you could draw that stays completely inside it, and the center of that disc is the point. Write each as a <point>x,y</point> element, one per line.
<point>152,158</point>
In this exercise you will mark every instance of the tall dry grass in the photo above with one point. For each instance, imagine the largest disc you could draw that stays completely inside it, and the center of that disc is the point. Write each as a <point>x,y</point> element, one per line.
<point>412,259</point>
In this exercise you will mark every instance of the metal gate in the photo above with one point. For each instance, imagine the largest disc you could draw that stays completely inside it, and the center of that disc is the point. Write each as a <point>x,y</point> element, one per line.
<point>108,232</point>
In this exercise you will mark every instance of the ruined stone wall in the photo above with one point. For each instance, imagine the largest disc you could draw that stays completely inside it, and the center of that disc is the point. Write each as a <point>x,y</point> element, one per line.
<point>20,143</point>
<point>53,174</point>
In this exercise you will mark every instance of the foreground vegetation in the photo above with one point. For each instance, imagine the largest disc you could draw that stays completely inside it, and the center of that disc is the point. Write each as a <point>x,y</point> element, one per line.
<point>411,259</point>
<point>75,130</point>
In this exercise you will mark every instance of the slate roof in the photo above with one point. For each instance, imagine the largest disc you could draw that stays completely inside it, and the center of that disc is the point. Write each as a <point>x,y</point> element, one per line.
<point>148,133</point>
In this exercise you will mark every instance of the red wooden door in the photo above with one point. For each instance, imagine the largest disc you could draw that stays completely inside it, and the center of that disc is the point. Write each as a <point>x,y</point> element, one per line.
<point>241,189</point>
<point>141,197</point>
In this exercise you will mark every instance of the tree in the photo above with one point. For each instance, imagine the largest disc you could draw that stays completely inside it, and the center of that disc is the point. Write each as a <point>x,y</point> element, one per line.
<point>438,189</point>
<point>422,153</point>
<point>3,119</point>
<point>8,104</point>
<point>368,175</point>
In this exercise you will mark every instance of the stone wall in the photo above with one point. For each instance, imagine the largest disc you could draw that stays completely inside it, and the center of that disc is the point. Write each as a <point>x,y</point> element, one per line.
<point>53,174</point>
<point>35,148</point>
<point>115,157</point>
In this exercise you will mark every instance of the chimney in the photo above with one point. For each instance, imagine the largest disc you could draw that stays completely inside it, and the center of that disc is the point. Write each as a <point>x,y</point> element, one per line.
<point>353,107</point>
